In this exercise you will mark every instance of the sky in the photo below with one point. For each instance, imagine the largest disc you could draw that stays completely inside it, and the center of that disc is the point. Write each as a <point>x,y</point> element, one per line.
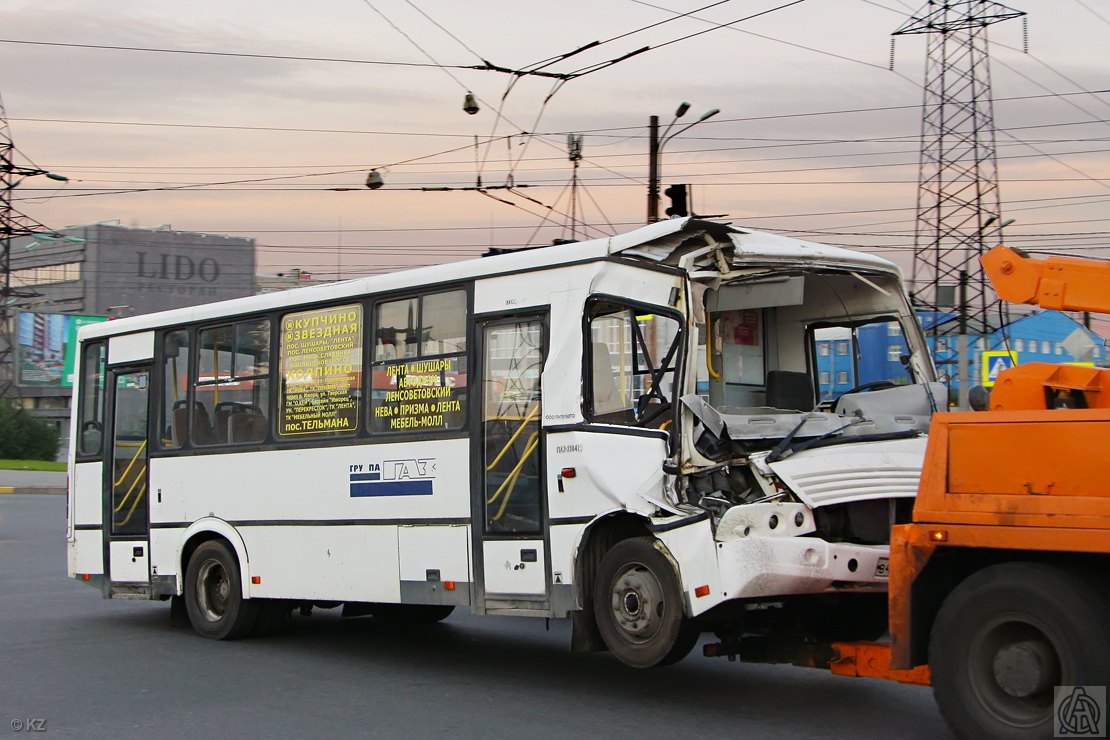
<point>816,136</point>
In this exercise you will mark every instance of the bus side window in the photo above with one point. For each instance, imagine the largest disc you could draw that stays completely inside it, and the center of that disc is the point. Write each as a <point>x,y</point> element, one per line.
<point>175,389</point>
<point>418,377</point>
<point>320,375</point>
<point>396,330</point>
<point>231,394</point>
<point>90,420</point>
<point>633,356</point>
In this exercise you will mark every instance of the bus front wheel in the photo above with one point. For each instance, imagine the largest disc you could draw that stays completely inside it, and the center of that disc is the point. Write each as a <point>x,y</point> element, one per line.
<point>638,606</point>
<point>214,595</point>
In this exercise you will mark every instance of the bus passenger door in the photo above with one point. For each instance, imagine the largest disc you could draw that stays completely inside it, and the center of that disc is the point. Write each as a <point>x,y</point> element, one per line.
<point>126,495</point>
<point>510,510</point>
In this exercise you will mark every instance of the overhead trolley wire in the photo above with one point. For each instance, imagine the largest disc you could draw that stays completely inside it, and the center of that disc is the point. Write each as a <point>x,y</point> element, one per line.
<point>234,54</point>
<point>421,49</point>
<point>598,131</point>
<point>782,41</point>
<point>438,25</point>
<point>590,69</point>
<point>1093,12</point>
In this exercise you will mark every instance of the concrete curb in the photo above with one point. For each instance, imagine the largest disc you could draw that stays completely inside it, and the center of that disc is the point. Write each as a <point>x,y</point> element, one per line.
<point>32,489</point>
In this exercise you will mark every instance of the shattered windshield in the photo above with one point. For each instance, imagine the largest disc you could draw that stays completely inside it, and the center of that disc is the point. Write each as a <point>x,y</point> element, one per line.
<point>872,356</point>
<point>791,342</point>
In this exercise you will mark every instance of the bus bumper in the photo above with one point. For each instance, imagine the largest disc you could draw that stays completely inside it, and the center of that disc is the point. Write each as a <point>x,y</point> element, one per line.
<point>752,567</point>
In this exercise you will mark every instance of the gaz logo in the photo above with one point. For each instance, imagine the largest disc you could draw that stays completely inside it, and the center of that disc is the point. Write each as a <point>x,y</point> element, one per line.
<point>404,477</point>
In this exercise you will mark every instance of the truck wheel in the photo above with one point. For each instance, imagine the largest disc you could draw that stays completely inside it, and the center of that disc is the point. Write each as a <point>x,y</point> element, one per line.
<point>1005,637</point>
<point>214,595</point>
<point>638,606</point>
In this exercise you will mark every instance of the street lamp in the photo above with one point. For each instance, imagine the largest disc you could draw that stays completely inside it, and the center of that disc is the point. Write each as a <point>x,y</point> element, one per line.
<point>655,149</point>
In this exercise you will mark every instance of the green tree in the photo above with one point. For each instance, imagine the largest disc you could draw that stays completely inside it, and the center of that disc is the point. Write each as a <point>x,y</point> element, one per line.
<point>24,436</point>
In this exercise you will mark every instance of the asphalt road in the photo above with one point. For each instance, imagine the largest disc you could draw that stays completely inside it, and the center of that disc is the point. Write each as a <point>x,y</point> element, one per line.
<point>115,669</point>
<point>33,479</point>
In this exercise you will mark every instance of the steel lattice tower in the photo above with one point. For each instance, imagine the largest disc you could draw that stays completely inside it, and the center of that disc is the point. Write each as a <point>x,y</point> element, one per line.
<point>13,224</point>
<point>958,205</point>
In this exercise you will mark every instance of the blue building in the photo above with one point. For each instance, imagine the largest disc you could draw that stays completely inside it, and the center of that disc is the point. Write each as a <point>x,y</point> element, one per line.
<point>847,358</point>
<point>878,351</point>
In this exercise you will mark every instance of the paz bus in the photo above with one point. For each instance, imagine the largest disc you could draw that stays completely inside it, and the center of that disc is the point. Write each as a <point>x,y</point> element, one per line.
<point>626,432</point>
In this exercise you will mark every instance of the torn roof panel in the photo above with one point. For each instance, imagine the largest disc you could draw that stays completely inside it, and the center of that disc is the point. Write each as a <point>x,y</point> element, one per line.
<point>667,241</point>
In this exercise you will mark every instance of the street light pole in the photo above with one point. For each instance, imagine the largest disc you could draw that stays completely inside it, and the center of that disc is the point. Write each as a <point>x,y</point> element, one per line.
<point>655,149</point>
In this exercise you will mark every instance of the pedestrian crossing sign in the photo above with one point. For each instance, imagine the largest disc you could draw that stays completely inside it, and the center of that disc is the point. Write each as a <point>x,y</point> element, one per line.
<point>993,363</point>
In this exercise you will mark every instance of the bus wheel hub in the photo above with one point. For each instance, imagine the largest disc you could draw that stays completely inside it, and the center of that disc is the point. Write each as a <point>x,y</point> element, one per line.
<point>637,603</point>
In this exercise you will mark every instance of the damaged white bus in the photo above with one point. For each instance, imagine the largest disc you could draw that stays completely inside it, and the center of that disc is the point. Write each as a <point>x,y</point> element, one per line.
<point>625,431</point>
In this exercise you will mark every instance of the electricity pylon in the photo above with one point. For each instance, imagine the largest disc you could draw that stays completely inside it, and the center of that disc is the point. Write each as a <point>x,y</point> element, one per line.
<point>958,205</point>
<point>13,224</point>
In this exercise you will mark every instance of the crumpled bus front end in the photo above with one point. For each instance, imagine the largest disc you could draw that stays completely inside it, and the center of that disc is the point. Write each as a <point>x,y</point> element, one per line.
<point>830,528</point>
<point>807,397</point>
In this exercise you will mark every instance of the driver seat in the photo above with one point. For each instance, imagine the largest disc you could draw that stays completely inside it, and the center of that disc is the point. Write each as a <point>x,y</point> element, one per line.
<point>790,390</point>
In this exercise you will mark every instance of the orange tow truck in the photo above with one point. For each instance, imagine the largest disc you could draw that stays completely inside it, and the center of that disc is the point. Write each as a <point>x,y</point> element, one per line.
<point>1001,583</point>
<point>1000,586</point>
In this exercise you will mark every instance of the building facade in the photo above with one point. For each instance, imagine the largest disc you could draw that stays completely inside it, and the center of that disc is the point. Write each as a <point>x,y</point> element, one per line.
<point>105,269</point>
<point>109,270</point>
<point>874,352</point>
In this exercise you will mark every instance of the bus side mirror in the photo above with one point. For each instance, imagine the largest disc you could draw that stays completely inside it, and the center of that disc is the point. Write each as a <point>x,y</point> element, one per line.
<point>979,398</point>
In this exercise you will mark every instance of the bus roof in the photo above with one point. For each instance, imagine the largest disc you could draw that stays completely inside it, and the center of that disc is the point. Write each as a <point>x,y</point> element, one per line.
<point>651,243</point>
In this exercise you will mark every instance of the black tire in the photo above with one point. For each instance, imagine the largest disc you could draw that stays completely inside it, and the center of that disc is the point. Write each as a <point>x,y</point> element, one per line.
<point>214,595</point>
<point>1005,637</point>
<point>409,615</point>
<point>638,606</point>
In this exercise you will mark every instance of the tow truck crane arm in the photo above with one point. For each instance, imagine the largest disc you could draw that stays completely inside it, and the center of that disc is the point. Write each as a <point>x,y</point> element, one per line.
<point>1063,284</point>
<point>1059,283</point>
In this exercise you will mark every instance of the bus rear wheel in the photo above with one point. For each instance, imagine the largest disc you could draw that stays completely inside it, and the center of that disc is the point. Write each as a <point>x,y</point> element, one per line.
<point>638,606</point>
<point>1004,638</point>
<point>214,595</point>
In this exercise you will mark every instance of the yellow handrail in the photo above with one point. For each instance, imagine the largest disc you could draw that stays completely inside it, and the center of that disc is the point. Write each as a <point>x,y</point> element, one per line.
<point>516,468</point>
<point>130,464</point>
<point>175,378</point>
<point>709,347</point>
<point>527,418</point>
<point>138,498</point>
<point>140,477</point>
<point>533,443</point>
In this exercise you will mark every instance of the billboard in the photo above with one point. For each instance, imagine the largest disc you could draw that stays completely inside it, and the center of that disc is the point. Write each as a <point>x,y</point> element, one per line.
<point>46,347</point>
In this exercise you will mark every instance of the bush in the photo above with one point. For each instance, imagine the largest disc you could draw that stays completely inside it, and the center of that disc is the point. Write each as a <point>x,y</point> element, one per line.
<point>24,436</point>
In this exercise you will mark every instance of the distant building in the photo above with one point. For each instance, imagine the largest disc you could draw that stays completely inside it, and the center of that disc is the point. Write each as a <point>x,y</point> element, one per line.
<point>105,269</point>
<point>295,278</point>
<point>1037,337</point>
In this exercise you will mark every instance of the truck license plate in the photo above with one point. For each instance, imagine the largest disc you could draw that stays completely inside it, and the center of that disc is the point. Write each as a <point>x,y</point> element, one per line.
<point>882,570</point>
